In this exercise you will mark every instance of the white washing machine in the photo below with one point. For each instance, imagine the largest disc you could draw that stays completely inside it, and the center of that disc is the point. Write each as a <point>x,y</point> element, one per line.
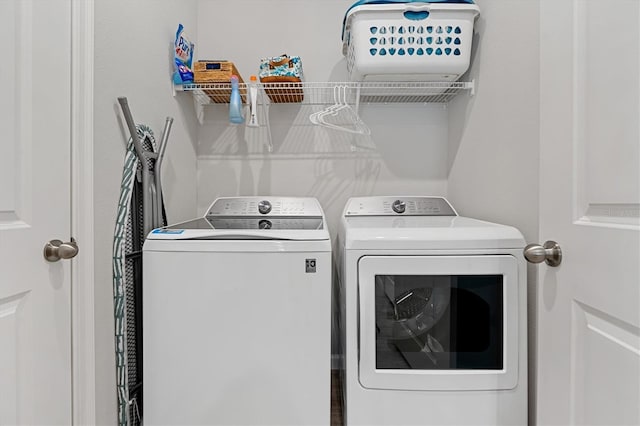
<point>432,315</point>
<point>236,314</point>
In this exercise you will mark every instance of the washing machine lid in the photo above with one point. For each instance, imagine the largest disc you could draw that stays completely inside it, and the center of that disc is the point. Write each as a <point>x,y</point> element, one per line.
<point>252,218</point>
<point>427,223</point>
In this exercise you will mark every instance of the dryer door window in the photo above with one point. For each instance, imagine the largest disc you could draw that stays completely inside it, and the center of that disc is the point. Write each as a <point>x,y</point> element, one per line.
<point>438,322</point>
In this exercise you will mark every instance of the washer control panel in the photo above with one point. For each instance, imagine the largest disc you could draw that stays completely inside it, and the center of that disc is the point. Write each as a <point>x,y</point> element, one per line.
<point>264,223</point>
<point>265,207</point>
<point>399,206</point>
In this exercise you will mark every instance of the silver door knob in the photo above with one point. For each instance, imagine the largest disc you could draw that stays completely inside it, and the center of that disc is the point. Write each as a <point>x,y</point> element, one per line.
<point>55,250</point>
<point>549,253</point>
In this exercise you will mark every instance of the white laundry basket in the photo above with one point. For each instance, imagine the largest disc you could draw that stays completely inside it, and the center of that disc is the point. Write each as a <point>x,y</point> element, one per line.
<point>408,41</point>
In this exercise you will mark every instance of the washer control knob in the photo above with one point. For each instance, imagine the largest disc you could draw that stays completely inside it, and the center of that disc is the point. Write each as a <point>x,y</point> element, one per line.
<point>264,207</point>
<point>265,224</point>
<point>399,206</point>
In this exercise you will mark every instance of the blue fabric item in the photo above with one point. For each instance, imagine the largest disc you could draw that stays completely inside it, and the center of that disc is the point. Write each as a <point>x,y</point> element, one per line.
<point>361,2</point>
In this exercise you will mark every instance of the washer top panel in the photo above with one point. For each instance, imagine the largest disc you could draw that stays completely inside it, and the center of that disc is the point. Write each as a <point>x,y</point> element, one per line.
<point>398,206</point>
<point>253,218</point>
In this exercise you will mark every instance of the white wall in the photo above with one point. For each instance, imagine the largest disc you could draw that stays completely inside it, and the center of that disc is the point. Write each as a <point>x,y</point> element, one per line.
<point>133,58</point>
<point>494,139</point>
<point>405,154</point>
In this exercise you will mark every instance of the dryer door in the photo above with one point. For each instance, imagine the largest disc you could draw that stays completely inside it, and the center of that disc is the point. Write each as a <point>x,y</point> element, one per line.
<point>438,322</point>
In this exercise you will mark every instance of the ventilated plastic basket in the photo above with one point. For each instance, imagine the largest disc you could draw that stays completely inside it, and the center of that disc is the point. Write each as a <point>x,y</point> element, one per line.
<point>409,41</point>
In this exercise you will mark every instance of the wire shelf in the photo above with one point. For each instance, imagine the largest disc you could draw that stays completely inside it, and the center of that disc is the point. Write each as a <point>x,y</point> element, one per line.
<point>337,98</point>
<point>326,93</point>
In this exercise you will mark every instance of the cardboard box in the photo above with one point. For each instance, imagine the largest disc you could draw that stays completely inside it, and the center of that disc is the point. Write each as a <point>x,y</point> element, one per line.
<point>218,74</point>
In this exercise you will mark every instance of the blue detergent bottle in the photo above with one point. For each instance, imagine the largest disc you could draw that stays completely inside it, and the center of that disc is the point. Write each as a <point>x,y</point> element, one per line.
<point>235,103</point>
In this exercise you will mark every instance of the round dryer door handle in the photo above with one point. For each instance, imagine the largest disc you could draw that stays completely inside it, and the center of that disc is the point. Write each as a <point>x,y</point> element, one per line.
<point>549,253</point>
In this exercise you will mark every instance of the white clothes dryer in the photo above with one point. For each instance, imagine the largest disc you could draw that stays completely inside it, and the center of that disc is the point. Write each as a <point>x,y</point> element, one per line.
<point>432,315</point>
<point>236,314</point>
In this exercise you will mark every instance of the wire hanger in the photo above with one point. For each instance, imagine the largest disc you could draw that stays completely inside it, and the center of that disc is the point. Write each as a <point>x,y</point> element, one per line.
<point>340,111</point>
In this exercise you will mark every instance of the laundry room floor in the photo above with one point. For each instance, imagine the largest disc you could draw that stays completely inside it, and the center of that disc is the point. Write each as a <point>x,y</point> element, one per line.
<point>336,399</point>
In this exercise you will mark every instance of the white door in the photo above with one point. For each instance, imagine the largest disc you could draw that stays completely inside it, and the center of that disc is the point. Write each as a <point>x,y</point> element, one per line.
<point>35,320</point>
<point>588,369</point>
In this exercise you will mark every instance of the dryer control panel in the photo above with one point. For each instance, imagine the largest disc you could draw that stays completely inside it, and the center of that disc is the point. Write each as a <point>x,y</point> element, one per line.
<point>394,206</point>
